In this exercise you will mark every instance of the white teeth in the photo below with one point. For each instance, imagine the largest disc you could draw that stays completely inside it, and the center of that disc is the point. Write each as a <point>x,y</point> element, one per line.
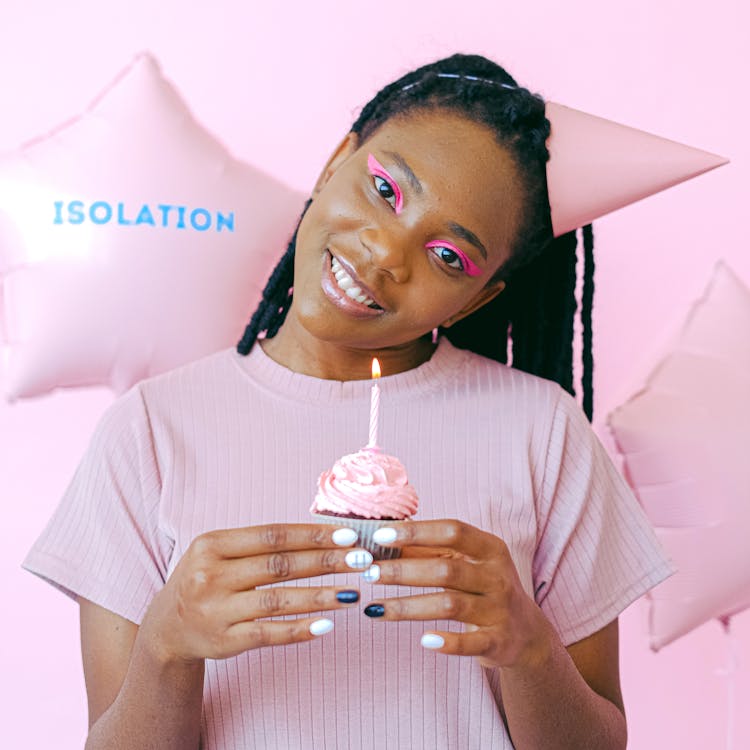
<point>346,284</point>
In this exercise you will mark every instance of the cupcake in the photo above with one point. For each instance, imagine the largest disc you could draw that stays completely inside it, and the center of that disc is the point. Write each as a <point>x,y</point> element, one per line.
<point>364,491</point>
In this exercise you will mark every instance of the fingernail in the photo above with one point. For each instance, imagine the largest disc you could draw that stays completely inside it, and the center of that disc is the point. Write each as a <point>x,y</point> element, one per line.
<point>321,627</point>
<point>384,535</point>
<point>430,640</point>
<point>358,559</point>
<point>372,574</point>
<point>374,610</point>
<point>348,597</point>
<point>344,537</point>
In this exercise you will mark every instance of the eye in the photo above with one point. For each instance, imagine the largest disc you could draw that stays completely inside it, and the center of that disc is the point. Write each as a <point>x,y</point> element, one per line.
<point>385,189</point>
<point>449,257</point>
<point>453,257</point>
<point>386,186</point>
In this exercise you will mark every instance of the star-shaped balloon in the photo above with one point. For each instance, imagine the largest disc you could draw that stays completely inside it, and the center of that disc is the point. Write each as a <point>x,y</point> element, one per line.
<point>131,241</point>
<point>684,440</point>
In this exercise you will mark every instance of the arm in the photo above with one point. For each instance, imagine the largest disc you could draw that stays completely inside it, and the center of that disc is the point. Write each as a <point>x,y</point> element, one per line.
<point>136,698</point>
<point>570,699</point>
<point>553,699</point>
<point>145,684</point>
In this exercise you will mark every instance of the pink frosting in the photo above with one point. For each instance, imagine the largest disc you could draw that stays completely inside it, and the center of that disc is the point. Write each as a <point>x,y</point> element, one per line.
<point>368,484</point>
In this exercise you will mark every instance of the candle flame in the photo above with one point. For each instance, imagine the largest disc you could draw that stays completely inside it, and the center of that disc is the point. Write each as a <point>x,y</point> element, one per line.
<point>375,368</point>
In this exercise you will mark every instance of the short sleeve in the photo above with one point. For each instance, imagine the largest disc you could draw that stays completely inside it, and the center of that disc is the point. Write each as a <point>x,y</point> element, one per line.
<point>596,551</point>
<point>104,541</point>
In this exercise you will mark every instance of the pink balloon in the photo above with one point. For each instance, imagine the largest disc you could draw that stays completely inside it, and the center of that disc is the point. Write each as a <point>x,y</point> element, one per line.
<point>131,241</point>
<point>684,440</point>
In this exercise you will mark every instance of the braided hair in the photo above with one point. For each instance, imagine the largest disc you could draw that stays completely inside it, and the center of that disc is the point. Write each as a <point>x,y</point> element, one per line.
<point>534,315</point>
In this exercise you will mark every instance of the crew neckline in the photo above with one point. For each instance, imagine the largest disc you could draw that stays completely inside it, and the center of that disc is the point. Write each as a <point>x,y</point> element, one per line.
<point>258,367</point>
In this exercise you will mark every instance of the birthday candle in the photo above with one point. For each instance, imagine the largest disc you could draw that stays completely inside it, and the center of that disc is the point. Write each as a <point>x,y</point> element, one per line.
<point>374,405</point>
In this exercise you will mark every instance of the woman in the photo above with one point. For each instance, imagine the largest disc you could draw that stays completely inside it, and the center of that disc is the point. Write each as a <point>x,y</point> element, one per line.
<point>184,535</point>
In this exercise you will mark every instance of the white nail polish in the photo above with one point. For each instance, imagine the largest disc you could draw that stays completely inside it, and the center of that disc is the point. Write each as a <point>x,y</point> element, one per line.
<point>384,535</point>
<point>344,537</point>
<point>372,574</point>
<point>321,627</point>
<point>358,559</point>
<point>430,640</point>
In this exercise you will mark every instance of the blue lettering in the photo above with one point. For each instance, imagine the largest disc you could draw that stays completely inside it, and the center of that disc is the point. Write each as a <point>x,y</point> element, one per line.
<point>75,212</point>
<point>102,212</point>
<point>224,220</point>
<point>194,214</point>
<point>165,209</point>
<point>120,216</point>
<point>100,219</point>
<point>145,216</point>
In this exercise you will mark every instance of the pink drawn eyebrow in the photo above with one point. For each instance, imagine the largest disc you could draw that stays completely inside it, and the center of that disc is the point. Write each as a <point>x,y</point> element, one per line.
<point>470,268</point>
<point>378,170</point>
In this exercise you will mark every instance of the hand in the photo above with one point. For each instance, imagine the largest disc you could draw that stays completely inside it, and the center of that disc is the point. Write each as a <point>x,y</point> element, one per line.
<point>505,627</point>
<point>211,605</point>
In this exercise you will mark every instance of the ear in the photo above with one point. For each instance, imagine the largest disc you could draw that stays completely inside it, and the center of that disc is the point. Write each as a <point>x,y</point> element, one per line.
<point>343,151</point>
<point>488,293</point>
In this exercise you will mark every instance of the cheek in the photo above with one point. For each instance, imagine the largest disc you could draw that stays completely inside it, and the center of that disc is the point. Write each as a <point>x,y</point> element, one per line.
<point>437,305</point>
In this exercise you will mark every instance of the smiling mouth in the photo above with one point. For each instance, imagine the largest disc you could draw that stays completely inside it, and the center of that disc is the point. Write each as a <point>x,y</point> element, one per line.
<point>349,286</point>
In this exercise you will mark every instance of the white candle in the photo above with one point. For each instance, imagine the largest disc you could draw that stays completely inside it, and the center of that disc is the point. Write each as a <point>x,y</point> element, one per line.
<point>374,405</point>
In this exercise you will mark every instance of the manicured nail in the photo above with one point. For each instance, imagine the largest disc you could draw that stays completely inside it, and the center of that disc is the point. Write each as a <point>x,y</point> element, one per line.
<point>344,537</point>
<point>348,597</point>
<point>384,535</point>
<point>321,627</point>
<point>374,610</point>
<point>372,574</point>
<point>430,640</point>
<point>358,559</point>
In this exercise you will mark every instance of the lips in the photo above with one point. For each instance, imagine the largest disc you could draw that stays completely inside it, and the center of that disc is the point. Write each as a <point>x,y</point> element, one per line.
<point>350,284</point>
<point>344,288</point>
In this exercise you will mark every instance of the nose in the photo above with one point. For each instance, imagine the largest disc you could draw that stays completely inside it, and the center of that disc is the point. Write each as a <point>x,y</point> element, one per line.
<point>387,253</point>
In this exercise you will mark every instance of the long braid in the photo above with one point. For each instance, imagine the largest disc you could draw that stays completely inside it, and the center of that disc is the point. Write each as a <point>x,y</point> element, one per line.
<point>587,298</point>
<point>274,305</point>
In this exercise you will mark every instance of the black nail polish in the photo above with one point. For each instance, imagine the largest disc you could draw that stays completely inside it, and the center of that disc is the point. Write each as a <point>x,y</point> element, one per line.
<point>348,597</point>
<point>374,610</point>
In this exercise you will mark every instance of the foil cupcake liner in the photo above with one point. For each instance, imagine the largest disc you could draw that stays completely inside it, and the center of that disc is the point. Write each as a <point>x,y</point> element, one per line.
<point>365,527</point>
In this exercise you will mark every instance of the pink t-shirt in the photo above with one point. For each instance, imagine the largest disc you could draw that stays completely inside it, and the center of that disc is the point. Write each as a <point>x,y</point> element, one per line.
<point>233,441</point>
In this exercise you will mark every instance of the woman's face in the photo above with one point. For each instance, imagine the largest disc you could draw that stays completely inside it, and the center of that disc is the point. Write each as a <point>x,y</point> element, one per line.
<point>404,232</point>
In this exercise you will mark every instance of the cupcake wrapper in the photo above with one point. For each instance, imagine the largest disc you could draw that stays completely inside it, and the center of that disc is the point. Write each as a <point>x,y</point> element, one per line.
<point>364,528</point>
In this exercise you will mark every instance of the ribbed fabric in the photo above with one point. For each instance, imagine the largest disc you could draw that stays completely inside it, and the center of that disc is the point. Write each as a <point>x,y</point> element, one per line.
<point>232,441</point>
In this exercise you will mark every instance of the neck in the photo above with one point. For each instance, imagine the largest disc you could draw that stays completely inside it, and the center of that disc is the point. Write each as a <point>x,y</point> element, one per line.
<point>300,352</point>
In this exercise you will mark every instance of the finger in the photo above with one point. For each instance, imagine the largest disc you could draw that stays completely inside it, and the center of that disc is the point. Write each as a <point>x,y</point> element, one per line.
<point>447,573</point>
<point>445,533</point>
<point>258,540</point>
<point>249,635</point>
<point>443,605</point>
<point>240,574</point>
<point>469,643</point>
<point>277,601</point>
<point>422,552</point>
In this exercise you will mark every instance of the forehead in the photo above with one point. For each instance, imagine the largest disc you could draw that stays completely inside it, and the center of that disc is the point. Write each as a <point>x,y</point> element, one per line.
<point>466,175</point>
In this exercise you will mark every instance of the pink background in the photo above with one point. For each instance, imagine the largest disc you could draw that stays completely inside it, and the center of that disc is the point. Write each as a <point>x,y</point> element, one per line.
<point>279,85</point>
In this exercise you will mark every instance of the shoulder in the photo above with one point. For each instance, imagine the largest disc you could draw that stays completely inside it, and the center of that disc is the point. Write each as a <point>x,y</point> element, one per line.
<point>171,398</point>
<point>489,378</point>
<point>210,373</point>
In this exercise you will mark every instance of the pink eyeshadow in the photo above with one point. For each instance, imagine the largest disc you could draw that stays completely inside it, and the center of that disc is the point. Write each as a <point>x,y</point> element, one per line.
<point>378,170</point>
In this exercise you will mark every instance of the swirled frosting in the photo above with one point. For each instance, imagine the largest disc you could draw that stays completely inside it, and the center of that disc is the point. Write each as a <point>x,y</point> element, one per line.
<point>366,484</point>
